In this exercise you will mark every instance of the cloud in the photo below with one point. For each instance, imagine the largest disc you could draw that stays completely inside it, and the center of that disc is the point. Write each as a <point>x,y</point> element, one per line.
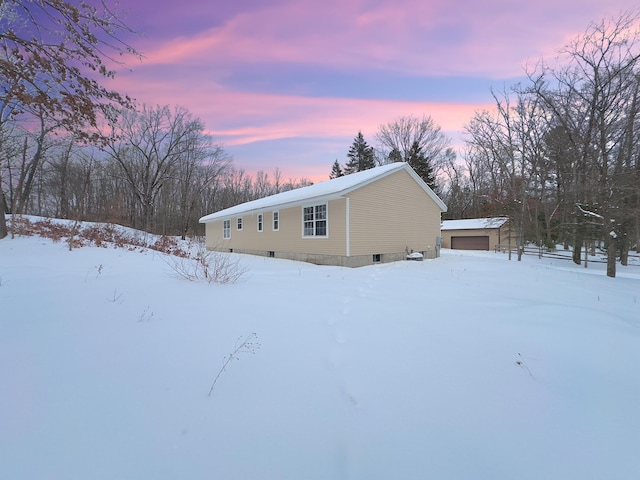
<point>296,133</point>
<point>439,37</point>
<point>291,82</point>
<point>244,116</point>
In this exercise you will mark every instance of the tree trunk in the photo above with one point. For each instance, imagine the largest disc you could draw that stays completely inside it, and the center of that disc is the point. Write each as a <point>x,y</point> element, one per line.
<point>523,211</point>
<point>3,219</point>
<point>611,233</point>
<point>611,256</point>
<point>578,240</point>
<point>624,256</point>
<point>623,244</point>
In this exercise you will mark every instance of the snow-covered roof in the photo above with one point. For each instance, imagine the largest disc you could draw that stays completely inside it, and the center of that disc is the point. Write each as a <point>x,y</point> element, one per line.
<point>327,190</point>
<point>474,223</point>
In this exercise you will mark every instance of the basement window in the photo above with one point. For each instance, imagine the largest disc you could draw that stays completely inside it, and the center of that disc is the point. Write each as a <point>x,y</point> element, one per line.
<point>377,258</point>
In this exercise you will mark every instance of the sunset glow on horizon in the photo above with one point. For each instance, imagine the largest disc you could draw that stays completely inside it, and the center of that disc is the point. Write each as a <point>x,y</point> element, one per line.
<point>287,85</point>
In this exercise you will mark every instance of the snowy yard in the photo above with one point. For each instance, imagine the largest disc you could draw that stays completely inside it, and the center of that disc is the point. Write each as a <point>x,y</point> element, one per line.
<point>464,367</point>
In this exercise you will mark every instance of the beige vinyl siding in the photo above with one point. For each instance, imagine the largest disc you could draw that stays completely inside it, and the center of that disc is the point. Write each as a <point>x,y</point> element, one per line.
<point>387,216</point>
<point>293,240</point>
<point>392,214</point>
<point>213,235</point>
<point>289,236</point>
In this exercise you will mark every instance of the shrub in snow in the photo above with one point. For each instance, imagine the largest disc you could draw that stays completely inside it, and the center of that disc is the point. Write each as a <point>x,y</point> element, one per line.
<point>194,263</point>
<point>79,234</point>
<point>205,265</point>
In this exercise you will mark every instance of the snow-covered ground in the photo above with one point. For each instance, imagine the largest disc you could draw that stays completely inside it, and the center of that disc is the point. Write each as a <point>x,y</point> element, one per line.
<point>464,367</point>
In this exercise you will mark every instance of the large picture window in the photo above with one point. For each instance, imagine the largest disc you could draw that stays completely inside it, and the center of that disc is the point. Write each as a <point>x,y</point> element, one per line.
<point>226,229</point>
<point>314,220</point>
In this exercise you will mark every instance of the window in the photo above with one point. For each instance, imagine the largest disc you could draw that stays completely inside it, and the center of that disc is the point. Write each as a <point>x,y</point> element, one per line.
<point>239,224</point>
<point>226,229</point>
<point>314,220</point>
<point>276,221</point>
<point>260,222</point>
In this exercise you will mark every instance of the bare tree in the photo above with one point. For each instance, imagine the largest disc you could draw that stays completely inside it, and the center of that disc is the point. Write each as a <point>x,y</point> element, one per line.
<point>505,153</point>
<point>148,146</point>
<point>594,100</point>
<point>34,147</point>
<point>9,149</point>
<point>398,139</point>
<point>198,169</point>
<point>53,54</point>
<point>70,179</point>
<point>457,192</point>
<point>262,186</point>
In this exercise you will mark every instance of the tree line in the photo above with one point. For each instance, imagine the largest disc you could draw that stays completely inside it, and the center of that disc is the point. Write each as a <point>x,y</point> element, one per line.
<point>156,170</point>
<point>70,148</point>
<point>559,154</point>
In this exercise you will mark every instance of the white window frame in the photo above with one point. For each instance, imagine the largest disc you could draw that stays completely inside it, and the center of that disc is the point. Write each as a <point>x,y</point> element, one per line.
<point>315,219</point>
<point>226,229</point>
<point>239,223</point>
<point>260,222</point>
<point>275,225</point>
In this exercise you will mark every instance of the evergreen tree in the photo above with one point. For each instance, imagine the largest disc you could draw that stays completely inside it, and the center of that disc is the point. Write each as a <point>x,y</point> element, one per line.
<point>394,156</point>
<point>361,156</point>
<point>336,170</point>
<point>422,165</point>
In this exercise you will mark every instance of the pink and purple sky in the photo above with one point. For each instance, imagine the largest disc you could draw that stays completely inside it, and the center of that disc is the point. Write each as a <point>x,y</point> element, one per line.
<point>289,83</point>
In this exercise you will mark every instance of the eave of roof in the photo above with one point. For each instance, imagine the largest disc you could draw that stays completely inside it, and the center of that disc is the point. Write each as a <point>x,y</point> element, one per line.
<point>474,223</point>
<point>321,192</point>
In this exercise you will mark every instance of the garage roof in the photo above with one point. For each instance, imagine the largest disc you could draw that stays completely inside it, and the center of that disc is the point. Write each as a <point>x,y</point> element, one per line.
<point>474,223</point>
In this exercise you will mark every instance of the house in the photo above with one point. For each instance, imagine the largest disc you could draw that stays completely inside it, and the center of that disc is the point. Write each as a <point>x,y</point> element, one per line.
<point>377,215</point>
<point>476,233</point>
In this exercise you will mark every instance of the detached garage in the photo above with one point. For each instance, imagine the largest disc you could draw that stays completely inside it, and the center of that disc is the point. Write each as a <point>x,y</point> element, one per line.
<point>475,233</point>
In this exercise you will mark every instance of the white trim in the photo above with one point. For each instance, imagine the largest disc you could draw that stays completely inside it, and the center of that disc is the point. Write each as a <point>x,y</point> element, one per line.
<point>260,222</point>
<point>226,232</point>
<point>273,220</point>
<point>239,223</point>
<point>348,229</point>
<point>326,219</point>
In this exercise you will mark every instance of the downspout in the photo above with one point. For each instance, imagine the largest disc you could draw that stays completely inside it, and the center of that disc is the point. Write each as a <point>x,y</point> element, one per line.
<point>348,250</point>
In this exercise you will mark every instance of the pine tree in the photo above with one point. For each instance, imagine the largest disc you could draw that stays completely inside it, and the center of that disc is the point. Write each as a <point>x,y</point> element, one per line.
<point>360,155</point>
<point>394,156</point>
<point>336,170</point>
<point>422,165</point>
